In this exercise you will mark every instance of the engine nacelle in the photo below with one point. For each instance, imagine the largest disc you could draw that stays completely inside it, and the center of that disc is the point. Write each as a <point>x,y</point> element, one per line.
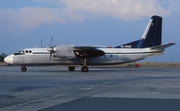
<point>65,51</point>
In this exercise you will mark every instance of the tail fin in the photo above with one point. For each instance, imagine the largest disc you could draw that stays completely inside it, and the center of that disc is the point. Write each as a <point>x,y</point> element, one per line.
<point>151,37</point>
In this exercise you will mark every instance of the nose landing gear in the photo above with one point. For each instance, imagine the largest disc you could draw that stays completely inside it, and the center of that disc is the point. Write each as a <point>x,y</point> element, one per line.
<point>23,69</point>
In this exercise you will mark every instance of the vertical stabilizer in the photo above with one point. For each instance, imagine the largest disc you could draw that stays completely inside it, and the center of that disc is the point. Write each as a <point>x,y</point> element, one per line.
<point>153,34</point>
<point>151,37</point>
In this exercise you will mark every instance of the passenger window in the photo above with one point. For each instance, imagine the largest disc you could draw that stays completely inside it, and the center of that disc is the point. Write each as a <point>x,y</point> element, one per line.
<point>26,51</point>
<point>30,51</point>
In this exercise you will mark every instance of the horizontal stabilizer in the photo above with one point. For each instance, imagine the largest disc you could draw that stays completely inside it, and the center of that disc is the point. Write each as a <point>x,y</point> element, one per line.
<point>162,47</point>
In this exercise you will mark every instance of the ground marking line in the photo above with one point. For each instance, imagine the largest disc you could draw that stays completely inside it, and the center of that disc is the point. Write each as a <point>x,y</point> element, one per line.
<point>35,101</point>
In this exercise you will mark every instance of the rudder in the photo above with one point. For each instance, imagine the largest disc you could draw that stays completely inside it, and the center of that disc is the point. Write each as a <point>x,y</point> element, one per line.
<point>153,37</point>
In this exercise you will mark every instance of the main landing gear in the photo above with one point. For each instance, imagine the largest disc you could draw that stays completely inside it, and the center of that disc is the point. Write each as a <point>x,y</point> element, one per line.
<point>84,68</point>
<point>23,69</point>
<point>71,68</point>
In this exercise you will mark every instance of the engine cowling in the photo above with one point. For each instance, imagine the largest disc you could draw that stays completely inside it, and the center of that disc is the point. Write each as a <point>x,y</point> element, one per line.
<point>65,51</point>
<point>88,53</point>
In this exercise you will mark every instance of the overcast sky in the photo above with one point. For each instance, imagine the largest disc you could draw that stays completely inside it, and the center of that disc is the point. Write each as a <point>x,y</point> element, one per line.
<point>23,23</point>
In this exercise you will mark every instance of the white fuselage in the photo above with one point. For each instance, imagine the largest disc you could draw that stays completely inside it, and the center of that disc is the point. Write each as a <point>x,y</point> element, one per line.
<point>40,56</point>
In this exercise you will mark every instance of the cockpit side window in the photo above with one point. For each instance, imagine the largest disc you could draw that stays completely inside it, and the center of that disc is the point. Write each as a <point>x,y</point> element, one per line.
<point>24,51</point>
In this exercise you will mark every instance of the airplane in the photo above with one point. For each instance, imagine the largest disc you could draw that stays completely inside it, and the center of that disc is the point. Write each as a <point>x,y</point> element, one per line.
<point>89,55</point>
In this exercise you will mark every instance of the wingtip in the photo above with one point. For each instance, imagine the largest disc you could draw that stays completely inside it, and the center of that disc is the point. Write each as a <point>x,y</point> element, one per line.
<point>172,43</point>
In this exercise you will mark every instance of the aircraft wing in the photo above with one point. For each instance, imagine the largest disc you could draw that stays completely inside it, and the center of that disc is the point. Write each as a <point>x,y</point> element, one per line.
<point>162,47</point>
<point>89,46</point>
<point>87,51</point>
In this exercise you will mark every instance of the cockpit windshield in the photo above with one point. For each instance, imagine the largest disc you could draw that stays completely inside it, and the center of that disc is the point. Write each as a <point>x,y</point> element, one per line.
<point>22,52</point>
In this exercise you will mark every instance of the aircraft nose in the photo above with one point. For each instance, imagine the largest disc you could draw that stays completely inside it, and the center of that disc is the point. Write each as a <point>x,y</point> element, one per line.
<point>9,59</point>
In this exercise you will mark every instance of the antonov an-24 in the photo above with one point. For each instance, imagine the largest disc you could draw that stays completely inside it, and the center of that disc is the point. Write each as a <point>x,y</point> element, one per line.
<point>84,55</point>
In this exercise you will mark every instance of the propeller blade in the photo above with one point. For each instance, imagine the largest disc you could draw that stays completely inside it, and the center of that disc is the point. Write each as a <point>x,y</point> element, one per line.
<point>51,49</point>
<point>50,54</point>
<point>51,41</point>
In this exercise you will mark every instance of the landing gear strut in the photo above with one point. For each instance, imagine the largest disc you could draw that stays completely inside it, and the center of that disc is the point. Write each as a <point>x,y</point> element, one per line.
<point>23,68</point>
<point>84,68</point>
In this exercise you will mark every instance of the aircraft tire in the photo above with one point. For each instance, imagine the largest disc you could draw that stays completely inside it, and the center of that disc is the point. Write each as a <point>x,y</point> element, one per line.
<point>23,69</point>
<point>84,69</point>
<point>71,68</point>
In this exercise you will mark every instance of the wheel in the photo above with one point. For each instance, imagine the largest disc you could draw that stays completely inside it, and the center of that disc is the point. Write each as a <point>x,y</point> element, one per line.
<point>84,69</point>
<point>23,69</point>
<point>71,68</point>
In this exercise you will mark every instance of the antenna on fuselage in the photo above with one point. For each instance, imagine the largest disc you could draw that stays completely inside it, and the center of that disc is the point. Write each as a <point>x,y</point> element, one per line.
<point>41,42</point>
<point>51,41</point>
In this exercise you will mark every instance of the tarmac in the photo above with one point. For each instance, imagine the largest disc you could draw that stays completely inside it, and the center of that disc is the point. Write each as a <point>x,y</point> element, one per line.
<point>54,88</point>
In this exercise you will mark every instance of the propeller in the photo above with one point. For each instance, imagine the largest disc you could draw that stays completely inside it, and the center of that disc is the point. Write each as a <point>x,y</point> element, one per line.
<point>51,48</point>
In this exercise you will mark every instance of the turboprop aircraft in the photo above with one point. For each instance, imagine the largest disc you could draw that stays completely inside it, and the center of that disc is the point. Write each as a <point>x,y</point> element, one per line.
<point>85,55</point>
